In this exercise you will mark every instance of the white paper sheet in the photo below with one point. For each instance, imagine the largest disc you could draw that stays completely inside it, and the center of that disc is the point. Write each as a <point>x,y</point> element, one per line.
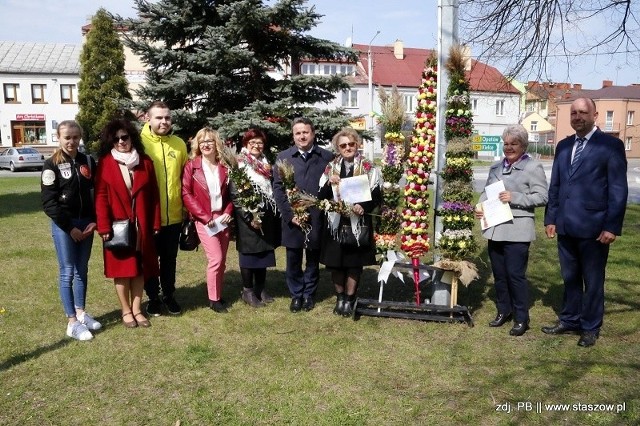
<point>355,189</point>
<point>217,227</point>
<point>493,191</point>
<point>495,211</point>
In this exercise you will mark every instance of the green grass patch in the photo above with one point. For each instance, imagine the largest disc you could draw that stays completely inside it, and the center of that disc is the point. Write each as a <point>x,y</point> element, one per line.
<point>268,366</point>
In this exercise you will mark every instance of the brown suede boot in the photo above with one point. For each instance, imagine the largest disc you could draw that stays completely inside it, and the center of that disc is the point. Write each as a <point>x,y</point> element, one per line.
<point>250,298</point>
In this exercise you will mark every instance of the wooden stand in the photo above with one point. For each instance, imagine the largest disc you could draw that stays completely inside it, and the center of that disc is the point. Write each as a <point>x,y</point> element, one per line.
<point>417,310</point>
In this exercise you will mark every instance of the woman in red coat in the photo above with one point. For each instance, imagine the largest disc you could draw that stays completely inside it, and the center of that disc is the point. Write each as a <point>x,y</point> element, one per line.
<point>205,193</point>
<point>125,173</point>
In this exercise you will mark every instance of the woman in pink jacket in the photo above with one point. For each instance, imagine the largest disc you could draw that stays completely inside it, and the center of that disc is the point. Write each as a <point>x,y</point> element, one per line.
<point>205,194</point>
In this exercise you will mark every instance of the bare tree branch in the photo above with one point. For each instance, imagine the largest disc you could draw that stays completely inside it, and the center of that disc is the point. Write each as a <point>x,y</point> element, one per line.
<point>530,38</point>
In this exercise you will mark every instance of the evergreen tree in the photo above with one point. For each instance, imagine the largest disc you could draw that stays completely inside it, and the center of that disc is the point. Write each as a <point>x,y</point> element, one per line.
<point>103,86</point>
<point>213,62</point>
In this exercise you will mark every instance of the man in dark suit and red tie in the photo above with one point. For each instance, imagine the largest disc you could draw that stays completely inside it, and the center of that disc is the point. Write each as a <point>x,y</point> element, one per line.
<point>587,203</point>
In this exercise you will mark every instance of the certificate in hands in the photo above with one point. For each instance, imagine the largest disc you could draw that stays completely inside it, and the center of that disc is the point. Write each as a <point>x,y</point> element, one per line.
<point>495,211</point>
<point>355,189</point>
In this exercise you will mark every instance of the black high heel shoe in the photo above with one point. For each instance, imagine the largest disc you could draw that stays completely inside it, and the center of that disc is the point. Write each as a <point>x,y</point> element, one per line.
<point>500,320</point>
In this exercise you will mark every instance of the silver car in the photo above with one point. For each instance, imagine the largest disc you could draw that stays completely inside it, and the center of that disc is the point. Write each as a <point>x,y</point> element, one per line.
<point>21,158</point>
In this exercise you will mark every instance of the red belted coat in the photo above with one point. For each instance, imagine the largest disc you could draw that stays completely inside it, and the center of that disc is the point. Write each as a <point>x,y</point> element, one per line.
<point>113,202</point>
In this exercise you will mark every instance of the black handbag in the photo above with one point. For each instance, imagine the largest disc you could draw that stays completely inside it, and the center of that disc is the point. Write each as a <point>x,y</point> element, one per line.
<point>123,233</point>
<point>189,239</point>
<point>347,238</point>
<point>123,236</point>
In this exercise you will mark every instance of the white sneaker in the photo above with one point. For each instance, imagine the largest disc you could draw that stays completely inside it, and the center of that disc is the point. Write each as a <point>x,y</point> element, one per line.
<point>78,331</point>
<point>87,320</point>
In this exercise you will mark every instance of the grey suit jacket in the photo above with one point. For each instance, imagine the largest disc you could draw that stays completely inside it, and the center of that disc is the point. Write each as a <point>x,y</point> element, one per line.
<point>528,186</point>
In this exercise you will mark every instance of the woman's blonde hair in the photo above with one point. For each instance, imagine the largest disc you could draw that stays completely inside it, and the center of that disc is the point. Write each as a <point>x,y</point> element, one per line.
<point>348,132</point>
<point>58,156</point>
<point>207,133</point>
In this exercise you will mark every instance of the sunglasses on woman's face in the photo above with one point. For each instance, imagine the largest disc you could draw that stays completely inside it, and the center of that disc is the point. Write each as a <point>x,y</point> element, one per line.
<point>123,138</point>
<point>348,144</point>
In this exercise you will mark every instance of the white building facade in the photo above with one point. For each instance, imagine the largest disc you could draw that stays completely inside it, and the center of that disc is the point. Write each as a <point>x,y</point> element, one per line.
<point>39,89</point>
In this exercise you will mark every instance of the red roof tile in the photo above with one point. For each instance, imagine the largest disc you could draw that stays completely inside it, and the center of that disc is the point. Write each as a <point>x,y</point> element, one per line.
<point>407,72</point>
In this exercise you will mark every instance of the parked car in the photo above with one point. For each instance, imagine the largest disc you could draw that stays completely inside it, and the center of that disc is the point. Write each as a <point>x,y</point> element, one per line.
<point>21,158</point>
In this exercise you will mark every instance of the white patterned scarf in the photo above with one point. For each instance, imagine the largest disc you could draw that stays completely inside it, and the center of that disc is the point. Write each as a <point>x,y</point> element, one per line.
<point>259,181</point>
<point>129,159</point>
<point>360,166</point>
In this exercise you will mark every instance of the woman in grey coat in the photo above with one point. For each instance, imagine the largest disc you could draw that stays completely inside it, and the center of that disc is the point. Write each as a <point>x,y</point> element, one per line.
<point>525,188</point>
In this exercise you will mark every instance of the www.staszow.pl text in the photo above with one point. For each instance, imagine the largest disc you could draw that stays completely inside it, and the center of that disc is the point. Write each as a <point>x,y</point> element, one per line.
<point>539,407</point>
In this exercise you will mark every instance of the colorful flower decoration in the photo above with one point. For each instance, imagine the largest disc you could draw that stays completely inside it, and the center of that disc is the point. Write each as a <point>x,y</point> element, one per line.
<point>392,171</point>
<point>456,241</point>
<point>415,219</point>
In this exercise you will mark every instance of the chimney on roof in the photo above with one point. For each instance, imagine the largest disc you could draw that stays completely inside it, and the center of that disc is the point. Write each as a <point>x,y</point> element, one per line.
<point>607,83</point>
<point>577,86</point>
<point>466,55</point>
<point>398,49</point>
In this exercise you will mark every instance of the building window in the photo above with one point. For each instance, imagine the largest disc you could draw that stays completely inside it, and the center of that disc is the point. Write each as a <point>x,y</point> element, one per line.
<point>68,93</point>
<point>409,103</point>
<point>37,93</point>
<point>474,105</point>
<point>627,143</point>
<point>346,69</point>
<point>543,105</point>
<point>630,118</point>
<point>500,107</point>
<point>308,69</point>
<point>608,125</point>
<point>329,69</point>
<point>350,98</point>
<point>530,107</point>
<point>534,126</point>
<point>11,93</point>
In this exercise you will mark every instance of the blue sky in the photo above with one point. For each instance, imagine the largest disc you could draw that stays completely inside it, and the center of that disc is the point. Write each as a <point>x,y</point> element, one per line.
<point>412,21</point>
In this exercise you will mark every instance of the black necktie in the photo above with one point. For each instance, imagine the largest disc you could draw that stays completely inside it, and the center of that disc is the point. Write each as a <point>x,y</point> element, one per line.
<point>304,155</point>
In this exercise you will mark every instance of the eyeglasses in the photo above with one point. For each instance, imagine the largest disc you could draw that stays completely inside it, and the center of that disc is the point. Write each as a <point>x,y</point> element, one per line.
<point>207,142</point>
<point>123,138</point>
<point>348,144</point>
<point>255,143</point>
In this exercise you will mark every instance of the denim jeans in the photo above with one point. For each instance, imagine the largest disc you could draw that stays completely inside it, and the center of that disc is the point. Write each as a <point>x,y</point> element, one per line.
<point>73,263</point>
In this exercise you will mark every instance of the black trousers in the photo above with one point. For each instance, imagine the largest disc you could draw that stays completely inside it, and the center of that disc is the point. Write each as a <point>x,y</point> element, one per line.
<point>167,247</point>
<point>509,262</point>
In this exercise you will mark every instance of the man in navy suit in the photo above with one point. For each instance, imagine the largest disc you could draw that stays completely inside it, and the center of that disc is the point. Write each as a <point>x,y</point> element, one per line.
<point>587,203</point>
<point>309,162</point>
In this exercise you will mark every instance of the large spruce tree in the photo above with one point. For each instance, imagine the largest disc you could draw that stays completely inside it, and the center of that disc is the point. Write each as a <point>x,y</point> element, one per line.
<point>214,62</point>
<point>103,86</point>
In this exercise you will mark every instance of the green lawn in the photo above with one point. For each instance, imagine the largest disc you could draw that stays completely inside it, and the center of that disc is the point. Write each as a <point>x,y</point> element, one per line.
<point>269,366</point>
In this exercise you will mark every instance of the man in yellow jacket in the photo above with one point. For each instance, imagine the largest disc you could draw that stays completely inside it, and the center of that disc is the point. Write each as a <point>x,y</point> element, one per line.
<point>169,155</point>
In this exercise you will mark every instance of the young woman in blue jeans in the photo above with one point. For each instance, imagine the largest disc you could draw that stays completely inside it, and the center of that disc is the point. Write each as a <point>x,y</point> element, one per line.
<point>66,187</point>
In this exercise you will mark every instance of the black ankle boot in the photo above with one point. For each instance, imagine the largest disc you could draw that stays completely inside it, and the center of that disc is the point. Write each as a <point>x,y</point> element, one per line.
<point>339,304</point>
<point>250,298</point>
<point>347,308</point>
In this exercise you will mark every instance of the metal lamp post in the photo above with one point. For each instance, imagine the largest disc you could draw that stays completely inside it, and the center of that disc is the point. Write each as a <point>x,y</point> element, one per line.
<point>370,74</point>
